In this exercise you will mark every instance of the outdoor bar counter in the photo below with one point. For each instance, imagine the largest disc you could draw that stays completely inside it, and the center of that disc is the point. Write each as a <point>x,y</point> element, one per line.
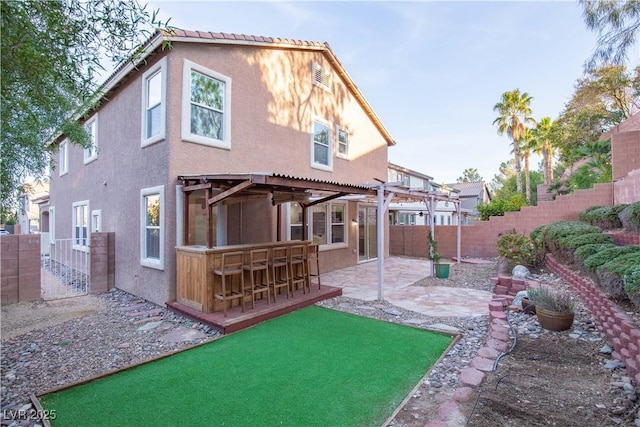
<point>195,282</point>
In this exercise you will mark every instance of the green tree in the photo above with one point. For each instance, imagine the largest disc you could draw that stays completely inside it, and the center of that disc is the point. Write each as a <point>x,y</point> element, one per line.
<point>52,57</point>
<point>542,142</point>
<point>514,113</point>
<point>470,175</point>
<point>526,149</point>
<point>617,24</point>
<point>603,98</point>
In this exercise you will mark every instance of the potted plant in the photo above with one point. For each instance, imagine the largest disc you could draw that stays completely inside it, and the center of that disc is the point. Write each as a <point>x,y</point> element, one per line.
<point>441,269</point>
<point>554,308</point>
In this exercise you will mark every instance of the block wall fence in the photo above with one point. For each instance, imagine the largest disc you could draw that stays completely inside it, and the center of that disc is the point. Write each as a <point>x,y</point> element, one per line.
<point>479,239</point>
<point>19,268</point>
<point>20,276</point>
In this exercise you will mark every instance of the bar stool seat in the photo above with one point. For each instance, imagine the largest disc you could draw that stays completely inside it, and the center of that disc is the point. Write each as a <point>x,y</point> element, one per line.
<point>230,266</point>
<point>313,260</point>
<point>279,264</point>
<point>298,268</point>
<point>258,269</point>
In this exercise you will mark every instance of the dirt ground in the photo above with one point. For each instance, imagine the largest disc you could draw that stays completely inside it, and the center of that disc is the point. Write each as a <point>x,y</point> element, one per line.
<point>24,317</point>
<point>547,381</point>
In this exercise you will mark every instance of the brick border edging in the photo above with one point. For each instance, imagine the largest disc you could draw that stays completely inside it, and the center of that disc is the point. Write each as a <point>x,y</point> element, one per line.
<point>620,330</point>
<point>625,238</point>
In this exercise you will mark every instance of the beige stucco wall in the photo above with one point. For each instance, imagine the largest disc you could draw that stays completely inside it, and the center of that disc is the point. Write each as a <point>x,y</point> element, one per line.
<point>273,104</point>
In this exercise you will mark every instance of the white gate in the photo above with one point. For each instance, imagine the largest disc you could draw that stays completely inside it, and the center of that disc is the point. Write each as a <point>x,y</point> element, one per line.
<point>64,271</point>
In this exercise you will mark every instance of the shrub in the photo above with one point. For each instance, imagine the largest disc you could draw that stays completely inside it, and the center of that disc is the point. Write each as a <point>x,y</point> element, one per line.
<point>517,248</point>
<point>585,251</point>
<point>605,217</point>
<point>611,274</point>
<point>554,233</point>
<point>537,237</point>
<point>602,257</point>
<point>632,285</point>
<point>571,243</point>
<point>574,242</point>
<point>630,217</point>
<point>582,216</point>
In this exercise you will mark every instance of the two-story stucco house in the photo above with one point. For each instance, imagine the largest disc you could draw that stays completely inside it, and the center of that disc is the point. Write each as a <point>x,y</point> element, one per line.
<point>216,105</point>
<point>415,212</point>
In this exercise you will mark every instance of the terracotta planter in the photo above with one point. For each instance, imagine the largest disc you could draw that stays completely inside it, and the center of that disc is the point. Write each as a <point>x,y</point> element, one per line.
<point>554,321</point>
<point>528,307</point>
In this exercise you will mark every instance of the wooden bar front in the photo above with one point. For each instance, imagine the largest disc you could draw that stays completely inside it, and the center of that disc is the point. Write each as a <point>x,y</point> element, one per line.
<point>195,282</point>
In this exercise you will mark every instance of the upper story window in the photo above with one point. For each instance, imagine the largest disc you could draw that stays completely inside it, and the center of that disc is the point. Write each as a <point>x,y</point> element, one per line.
<point>153,104</point>
<point>321,146</point>
<point>63,162</point>
<point>343,143</point>
<point>321,77</point>
<point>206,106</point>
<point>80,225</point>
<point>91,152</point>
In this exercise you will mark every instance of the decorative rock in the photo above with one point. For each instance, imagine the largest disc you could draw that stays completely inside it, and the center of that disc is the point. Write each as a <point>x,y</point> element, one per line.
<point>605,349</point>
<point>520,272</point>
<point>183,334</point>
<point>471,377</point>
<point>392,311</point>
<point>149,326</point>
<point>612,364</point>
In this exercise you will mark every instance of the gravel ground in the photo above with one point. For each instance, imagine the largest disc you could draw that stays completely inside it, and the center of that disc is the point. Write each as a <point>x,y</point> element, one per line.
<point>120,329</point>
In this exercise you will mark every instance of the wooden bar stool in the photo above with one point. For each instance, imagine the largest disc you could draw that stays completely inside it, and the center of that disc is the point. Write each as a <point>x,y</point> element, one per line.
<point>298,267</point>
<point>230,266</point>
<point>313,260</point>
<point>258,269</point>
<point>279,270</point>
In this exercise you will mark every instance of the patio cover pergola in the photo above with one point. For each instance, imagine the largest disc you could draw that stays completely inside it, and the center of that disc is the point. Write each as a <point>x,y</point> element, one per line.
<point>236,188</point>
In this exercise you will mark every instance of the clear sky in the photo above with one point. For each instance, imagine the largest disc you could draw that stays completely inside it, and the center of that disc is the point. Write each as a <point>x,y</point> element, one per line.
<point>432,71</point>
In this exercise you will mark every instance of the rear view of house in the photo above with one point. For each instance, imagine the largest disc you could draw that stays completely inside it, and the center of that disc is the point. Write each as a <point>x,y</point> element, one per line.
<point>216,105</point>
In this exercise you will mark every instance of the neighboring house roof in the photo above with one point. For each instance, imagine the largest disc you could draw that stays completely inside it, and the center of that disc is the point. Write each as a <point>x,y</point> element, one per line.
<point>410,171</point>
<point>177,35</point>
<point>470,189</point>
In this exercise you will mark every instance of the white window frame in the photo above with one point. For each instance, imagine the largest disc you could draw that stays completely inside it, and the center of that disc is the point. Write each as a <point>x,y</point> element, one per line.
<point>339,144</point>
<point>315,164</point>
<point>186,134</point>
<point>328,224</point>
<point>158,263</point>
<point>321,77</point>
<point>52,225</point>
<point>63,160</point>
<point>75,241</point>
<point>91,153</point>
<point>96,221</point>
<point>160,67</point>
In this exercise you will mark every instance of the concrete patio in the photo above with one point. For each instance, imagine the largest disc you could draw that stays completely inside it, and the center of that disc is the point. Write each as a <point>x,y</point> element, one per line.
<point>400,273</point>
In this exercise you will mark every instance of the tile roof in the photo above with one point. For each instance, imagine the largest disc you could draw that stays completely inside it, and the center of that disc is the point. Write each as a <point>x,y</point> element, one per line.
<point>242,38</point>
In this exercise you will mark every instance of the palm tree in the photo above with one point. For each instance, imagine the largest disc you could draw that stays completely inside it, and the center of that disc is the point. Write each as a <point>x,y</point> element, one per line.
<point>514,114</point>
<point>542,143</point>
<point>525,152</point>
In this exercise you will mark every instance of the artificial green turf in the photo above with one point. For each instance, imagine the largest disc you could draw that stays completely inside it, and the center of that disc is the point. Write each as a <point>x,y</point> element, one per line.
<point>311,367</point>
